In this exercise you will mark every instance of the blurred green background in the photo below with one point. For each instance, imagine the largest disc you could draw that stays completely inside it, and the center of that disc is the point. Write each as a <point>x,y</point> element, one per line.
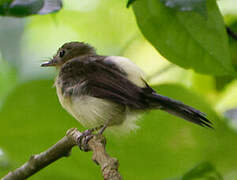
<point>164,147</point>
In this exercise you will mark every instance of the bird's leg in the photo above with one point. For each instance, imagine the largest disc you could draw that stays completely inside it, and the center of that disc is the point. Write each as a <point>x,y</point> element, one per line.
<point>84,139</point>
<point>102,129</point>
<point>97,128</point>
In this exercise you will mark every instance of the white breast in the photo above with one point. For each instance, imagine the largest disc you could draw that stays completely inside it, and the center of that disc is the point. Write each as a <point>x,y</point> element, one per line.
<point>92,112</point>
<point>134,73</point>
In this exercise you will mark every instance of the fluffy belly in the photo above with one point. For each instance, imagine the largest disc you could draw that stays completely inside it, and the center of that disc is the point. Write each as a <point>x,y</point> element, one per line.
<point>93,112</point>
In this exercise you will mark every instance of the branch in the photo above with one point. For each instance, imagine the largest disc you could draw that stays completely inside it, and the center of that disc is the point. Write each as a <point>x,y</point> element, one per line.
<point>109,166</point>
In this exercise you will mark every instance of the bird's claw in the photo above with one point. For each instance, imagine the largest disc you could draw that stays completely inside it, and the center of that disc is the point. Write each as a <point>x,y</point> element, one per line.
<point>87,135</point>
<point>83,140</point>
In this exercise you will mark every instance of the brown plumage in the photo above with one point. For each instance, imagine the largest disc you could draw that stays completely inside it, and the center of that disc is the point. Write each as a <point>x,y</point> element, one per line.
<point>100,90</point>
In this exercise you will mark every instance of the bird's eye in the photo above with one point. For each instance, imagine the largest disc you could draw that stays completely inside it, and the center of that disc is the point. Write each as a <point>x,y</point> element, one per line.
<point>61,53</point>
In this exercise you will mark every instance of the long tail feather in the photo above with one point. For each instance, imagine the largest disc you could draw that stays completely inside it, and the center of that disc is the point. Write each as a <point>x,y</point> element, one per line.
<point>179,109</point>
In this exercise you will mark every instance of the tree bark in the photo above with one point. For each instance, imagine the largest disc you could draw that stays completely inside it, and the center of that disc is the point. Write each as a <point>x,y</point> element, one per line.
<point>109,165</point>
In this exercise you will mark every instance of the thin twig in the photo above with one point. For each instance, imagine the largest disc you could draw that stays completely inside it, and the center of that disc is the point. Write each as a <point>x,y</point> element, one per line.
<point>109,166</point>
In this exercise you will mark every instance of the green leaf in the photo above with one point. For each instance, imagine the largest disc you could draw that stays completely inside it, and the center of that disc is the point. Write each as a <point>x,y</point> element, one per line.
<point>186,38</point>
<point>204,170</point>
<point>22,8</point>
<point>32,120</point>
<point>233,43</point>
<point>223,81</point>
<point>187,5</point>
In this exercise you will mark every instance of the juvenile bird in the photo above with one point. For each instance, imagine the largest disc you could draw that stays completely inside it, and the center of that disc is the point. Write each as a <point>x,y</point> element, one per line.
<point>104,91</point>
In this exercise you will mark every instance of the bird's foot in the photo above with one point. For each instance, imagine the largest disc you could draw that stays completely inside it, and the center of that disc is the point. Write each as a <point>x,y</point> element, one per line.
<point>87,135</point>
<point>83,140</point>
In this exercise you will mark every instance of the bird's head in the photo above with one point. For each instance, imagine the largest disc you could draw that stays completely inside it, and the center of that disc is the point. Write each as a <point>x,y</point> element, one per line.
<point>69,51</point>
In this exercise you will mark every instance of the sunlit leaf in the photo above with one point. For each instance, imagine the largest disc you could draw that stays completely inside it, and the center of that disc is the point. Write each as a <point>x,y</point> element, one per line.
<point>186,38</point>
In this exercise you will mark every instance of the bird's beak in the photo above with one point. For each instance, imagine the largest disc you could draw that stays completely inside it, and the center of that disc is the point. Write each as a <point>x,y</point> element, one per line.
<point>49,63</point>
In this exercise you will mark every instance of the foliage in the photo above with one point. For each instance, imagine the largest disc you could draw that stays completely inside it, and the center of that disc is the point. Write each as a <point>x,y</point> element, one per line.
<point>21,8</point>
<point>190,34</point>
<point>186,38</point>
<point>162,141</point>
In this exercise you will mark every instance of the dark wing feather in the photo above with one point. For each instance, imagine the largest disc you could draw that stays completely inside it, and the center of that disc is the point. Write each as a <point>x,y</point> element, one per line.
<point>111,84</point>
<point>179,109</point>
<point>104,80</point>
<point>101,79</point>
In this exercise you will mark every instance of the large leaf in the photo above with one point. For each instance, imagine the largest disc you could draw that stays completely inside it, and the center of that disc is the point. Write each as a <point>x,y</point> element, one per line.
<point>233,43</point>
<point>221,82</point>
<point>165,146</point>
<point>186,38</point>
<point>22,8</point>
<point>187,5</point>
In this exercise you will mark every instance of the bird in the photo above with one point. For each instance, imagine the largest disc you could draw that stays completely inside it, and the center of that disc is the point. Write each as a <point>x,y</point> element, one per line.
<point>109,91</point>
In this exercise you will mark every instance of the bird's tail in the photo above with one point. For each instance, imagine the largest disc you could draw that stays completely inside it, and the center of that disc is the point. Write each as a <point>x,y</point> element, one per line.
<point>179,109</point>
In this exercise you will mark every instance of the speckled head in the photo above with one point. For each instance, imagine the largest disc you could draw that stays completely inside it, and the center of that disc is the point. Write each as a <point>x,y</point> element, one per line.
<point>69,51</point>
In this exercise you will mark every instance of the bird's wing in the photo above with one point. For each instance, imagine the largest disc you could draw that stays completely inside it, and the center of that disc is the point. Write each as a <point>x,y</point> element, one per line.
<point>103,79</point>
<point>107,81</point>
